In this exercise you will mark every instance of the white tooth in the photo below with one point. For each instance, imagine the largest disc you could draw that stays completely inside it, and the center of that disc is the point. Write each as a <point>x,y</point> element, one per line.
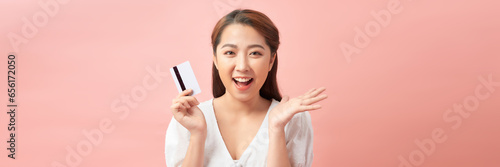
<point>242,79</point>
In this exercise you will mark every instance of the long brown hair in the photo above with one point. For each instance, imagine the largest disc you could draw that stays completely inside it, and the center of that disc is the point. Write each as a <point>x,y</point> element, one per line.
<point>262,24</point>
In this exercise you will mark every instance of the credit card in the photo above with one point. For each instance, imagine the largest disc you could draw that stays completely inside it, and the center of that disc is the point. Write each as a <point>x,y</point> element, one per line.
<point>184,78</point>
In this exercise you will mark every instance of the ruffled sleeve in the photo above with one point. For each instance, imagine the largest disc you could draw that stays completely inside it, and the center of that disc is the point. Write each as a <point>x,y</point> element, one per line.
<point>176,143</point>
<point>299,140</point>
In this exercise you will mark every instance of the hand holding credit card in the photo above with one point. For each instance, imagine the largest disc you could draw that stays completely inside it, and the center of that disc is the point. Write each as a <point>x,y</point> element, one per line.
<point>184,78</point>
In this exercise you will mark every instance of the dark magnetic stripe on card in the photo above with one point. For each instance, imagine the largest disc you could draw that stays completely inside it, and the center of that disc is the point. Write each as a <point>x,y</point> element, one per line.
<point>178,75</point>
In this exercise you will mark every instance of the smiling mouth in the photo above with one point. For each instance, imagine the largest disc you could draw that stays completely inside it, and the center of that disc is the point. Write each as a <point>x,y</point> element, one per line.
<point>243,81</point>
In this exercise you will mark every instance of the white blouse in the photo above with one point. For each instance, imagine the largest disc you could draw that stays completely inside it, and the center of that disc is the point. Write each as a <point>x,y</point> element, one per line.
<point>298,134</point>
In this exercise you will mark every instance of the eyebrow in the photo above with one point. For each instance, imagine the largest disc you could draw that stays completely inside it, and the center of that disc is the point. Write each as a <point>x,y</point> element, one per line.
<point>251,46</point>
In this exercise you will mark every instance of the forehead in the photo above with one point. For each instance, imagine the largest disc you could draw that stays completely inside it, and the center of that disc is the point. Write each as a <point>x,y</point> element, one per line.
<point>241,35</point>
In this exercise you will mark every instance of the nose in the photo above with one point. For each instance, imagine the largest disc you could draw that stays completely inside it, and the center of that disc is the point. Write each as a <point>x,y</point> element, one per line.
<point>242,63</point>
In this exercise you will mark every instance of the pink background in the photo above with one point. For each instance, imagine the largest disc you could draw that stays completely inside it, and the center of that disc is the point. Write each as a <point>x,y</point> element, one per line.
<point>74,70</point>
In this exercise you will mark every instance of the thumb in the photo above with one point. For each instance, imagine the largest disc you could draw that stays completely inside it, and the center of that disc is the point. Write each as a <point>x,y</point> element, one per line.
<point>285,99</point>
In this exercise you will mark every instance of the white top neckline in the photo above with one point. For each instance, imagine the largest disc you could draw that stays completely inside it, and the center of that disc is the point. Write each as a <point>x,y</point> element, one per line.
<point>219,134</point>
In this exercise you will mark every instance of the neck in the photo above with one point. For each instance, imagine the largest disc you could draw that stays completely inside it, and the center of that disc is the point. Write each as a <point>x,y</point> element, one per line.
<point>246,107</point>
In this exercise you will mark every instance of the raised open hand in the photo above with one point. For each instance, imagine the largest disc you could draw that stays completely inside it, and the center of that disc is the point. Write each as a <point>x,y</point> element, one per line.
<point>280,115</point>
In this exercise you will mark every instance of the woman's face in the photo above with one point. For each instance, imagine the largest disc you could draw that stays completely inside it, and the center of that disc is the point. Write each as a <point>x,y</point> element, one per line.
<point>243,60</point>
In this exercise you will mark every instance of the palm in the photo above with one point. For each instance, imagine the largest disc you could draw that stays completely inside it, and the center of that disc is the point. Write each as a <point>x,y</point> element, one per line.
<point>287,108</point>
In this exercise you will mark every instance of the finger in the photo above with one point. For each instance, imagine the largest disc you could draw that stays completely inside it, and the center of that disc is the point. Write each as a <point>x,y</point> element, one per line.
<point>184,102</point>
<point>185,93</point>
<point>317,92</point>
<point>177,107</point>
<point>314,93</point>
<point>313,100</point>
<point>174,107</point>
<point>192,100</point>
<point>183,108</point>
<point>304,96</point>
<point>310,91</point>
<point>308,108</point>
<point>189,99</point>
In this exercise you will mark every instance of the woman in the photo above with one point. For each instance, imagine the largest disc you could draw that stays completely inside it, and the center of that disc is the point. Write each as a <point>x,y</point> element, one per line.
<point>247,123</point>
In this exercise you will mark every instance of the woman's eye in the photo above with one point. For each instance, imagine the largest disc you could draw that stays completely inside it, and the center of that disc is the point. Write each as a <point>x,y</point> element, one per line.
<point>229,53</point>
<point>255,53</point>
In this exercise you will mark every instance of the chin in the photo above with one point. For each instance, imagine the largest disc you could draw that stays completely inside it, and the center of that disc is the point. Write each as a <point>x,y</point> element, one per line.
<point>243,96</point>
